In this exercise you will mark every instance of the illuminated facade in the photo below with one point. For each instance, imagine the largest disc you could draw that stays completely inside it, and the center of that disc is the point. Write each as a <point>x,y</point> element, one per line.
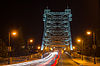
<point>57,31</point>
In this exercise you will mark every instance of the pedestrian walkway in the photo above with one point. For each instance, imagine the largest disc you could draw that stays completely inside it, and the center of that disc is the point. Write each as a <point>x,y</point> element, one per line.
<point>65,60</point>
<point>85,63</point>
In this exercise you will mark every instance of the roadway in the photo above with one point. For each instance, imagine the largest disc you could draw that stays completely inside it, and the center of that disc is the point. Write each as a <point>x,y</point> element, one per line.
<point>50,60</point>
<point>46,61</point>
<point>66,60</point>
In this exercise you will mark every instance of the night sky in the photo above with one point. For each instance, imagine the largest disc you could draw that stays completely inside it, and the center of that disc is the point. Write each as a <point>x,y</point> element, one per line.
<point>27,15</point>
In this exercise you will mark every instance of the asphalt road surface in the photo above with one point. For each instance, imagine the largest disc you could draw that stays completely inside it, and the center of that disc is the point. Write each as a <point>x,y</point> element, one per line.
<point>66,60</point>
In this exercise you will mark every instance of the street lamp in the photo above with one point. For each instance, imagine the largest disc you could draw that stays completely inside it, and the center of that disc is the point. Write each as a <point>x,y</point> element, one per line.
<point>94,42</point>
<point>80,40</point>
<point>31,40</point>
<point>88,32</point>
<point>39,47</point>
<point>30,44</point>
<point>14,33</point>
<point>73,47</point>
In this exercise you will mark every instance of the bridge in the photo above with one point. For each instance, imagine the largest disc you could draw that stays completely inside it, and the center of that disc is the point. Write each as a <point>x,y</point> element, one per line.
<point>56,48</point>
<point>54,58</point>
<point>57,32</point>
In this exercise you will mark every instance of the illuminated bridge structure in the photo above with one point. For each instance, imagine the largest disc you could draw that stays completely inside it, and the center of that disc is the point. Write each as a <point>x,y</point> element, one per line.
<point>57,32</point>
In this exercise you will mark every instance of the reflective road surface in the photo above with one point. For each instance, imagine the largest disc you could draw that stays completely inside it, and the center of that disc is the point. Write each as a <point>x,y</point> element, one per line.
<point>65,60</point>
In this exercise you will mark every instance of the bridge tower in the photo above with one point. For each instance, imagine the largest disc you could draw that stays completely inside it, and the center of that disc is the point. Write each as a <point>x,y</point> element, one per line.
<point>57,32</point>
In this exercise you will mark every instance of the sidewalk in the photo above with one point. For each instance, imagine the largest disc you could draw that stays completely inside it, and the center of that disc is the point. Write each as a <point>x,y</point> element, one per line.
<point>85,63</point>
<point>87,60</point>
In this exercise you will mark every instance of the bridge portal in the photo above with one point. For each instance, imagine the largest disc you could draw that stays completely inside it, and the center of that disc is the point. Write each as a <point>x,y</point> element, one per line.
<point>57,32</point>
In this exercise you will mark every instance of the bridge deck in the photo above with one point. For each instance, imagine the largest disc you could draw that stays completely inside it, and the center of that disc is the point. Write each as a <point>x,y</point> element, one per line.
<point>65,60</point>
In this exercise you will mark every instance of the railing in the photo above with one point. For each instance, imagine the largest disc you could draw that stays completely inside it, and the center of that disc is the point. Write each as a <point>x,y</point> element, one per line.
<point>87,58</point>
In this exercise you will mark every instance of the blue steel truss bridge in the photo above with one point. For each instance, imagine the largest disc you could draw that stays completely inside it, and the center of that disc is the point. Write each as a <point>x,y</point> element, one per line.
<point>57,32</point>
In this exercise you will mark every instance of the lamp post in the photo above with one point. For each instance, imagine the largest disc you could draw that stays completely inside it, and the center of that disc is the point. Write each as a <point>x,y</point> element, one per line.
<point>30,44</point>
<point>94,43</point>
<point>9,50</point>
<point>79,40</point>
<point>9,47</point>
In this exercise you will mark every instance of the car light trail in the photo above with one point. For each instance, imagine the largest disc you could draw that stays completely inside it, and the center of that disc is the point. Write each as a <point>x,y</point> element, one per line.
<point>56,61</point>
<point>38,62</point>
